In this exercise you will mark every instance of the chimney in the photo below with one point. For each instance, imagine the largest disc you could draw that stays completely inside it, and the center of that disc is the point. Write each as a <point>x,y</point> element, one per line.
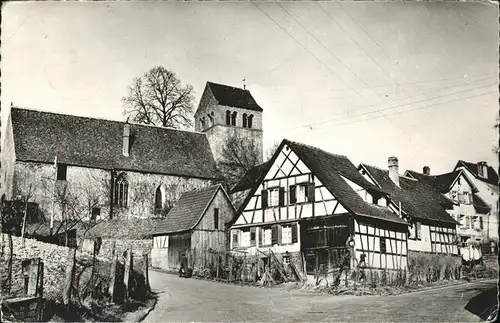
<point>426,170</point>
<point>482,169</point>
<point>126,139</point>
<point>394,170</point>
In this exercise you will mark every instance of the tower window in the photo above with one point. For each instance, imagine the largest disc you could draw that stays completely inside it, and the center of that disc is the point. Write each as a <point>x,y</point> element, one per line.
<point>249,121</point>
<point>210,120</point>
<point>233,118</point>
<point>202,123</point>
<point>228,117</point>
<point>244,120</point>
<point>121,191</point>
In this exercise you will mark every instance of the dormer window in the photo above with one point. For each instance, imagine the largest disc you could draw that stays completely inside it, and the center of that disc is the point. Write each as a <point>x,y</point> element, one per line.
<point>228,117</point>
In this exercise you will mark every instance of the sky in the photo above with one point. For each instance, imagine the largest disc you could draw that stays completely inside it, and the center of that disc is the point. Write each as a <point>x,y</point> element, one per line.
<point>367,80</point>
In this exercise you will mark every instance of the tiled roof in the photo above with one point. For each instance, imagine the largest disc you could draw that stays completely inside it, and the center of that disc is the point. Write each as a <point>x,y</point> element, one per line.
<point>233,96</point>
<point>472,167</point>
<point>43,228</point>
<point>124,228</point>
<point>329,168</point>
<point>479,204</point>
<point>40,136</point>
<point>188,211</point>
<point>441,182</point>
<point>418,199</point>
<point>250,178</point>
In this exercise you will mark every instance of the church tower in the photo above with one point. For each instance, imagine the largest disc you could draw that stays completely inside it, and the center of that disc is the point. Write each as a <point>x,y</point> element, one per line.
<point>225,111</point>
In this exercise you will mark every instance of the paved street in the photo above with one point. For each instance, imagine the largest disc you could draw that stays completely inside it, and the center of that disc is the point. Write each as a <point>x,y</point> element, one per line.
<point>197,300</point>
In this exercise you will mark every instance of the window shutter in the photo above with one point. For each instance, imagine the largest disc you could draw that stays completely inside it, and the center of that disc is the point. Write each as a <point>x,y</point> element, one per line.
<point>263,196</point>
<point>282,196</point>
<point>419,232</point>
<point>280,234</point>
<point>310,192</point>
<point>294,233</point>
<point>252,236</point>
<point>274,235</point>
<point>260,236</point>
<point>293,194</point>
<point>235,239</point>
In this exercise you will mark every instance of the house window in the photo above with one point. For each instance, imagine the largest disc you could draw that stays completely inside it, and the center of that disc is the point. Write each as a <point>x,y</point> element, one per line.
<point>252,236</point>
<point>233,118</point>
<point>464,198</point>
<point>302,193</point>
<point>286,234</point>
<point>121,190</point>
<point>158,198</point>
<point>463,221</point>
<point>267,234</point>
<point>216,219</point>
<point>244,120</point>
<point>228,117</point>
<point>481,223</point>
<point>249,121</point>
<point>468,222</point>
<point>245,237</point>
<point>274,196</point>
<point>235,238</point>
<point>96,211</point>
<point>382,245</point>
<point>418,230</point>
<point>286,260</point>
<point>61,172</point>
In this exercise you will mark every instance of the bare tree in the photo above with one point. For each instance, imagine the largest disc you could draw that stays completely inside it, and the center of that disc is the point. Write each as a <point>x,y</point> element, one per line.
<point>158,98</point>
<point>271,149</point>
<point>238,156</point>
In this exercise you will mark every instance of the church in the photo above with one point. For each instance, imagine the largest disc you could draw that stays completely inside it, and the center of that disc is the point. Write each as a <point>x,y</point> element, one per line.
<point>94,168</point>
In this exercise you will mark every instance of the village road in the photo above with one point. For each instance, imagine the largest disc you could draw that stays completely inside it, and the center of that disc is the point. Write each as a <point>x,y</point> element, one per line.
<point>182,300</point>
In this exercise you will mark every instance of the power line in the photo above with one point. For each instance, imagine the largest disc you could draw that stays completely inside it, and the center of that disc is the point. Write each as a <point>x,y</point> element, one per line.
<point>395,107</point>
<point>411,110</point>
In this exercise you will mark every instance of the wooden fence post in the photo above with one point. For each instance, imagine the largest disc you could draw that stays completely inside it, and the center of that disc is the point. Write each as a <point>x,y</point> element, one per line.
<point>126,274</point>
<point>33,277</point>
<point>146,270</point>
<point>68,284</point>
<point>114,262</point>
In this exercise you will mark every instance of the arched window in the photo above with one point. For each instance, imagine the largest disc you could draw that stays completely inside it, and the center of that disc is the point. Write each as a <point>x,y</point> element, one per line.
<point>202,123</point>
<point>233,118</point>
<point>210,120</point>
<point>228,117</point>
<point>244,120</point>
<point>158,198</point>
<point>249,122</point>
<point>121,191</point>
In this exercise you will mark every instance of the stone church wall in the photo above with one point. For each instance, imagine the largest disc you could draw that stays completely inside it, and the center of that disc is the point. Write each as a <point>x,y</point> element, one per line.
<point>84,186</point>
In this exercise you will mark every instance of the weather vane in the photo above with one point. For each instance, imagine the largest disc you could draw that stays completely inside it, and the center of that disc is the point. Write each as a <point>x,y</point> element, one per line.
<point>244,85</point>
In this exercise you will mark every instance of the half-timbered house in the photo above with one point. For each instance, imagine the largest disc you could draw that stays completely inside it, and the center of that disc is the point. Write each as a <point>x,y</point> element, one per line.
<point>432,228</point>
<point>316,210</point>
<point>194,226</point>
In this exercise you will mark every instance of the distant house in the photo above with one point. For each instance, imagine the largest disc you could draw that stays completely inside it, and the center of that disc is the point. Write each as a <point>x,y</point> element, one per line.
<point>195,226</point>
<point>432,228</point>
<point>309,205</point>
<point>469,209</point>
<point>485,178</point>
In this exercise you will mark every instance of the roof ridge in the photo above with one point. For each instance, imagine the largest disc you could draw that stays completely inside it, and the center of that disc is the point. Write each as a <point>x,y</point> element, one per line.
<point>317,148</point>
<point>109,120</point>
<point>234,87</point>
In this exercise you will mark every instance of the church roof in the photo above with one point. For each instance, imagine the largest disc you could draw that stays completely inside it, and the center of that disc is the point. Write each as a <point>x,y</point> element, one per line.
<point>233,96</point>
<point>97,143</point>
<point>188,210</point>
<point>418,199</point>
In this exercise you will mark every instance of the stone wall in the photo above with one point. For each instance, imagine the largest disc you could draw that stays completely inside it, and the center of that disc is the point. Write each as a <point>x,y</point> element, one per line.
<point>53,256</point>
<point>86,188</point>
<point>139,247</point>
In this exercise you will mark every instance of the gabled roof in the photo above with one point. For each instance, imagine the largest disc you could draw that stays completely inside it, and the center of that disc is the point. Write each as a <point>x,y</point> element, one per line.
<point>418,199</point>
<point>250,178</point>
<point>442,182</point>
<point>233,96</point>
<point>472,167</point>
<point>124,228</point>
<point>329,169</point>
<point>97,143</point>
<point>188,210</point>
